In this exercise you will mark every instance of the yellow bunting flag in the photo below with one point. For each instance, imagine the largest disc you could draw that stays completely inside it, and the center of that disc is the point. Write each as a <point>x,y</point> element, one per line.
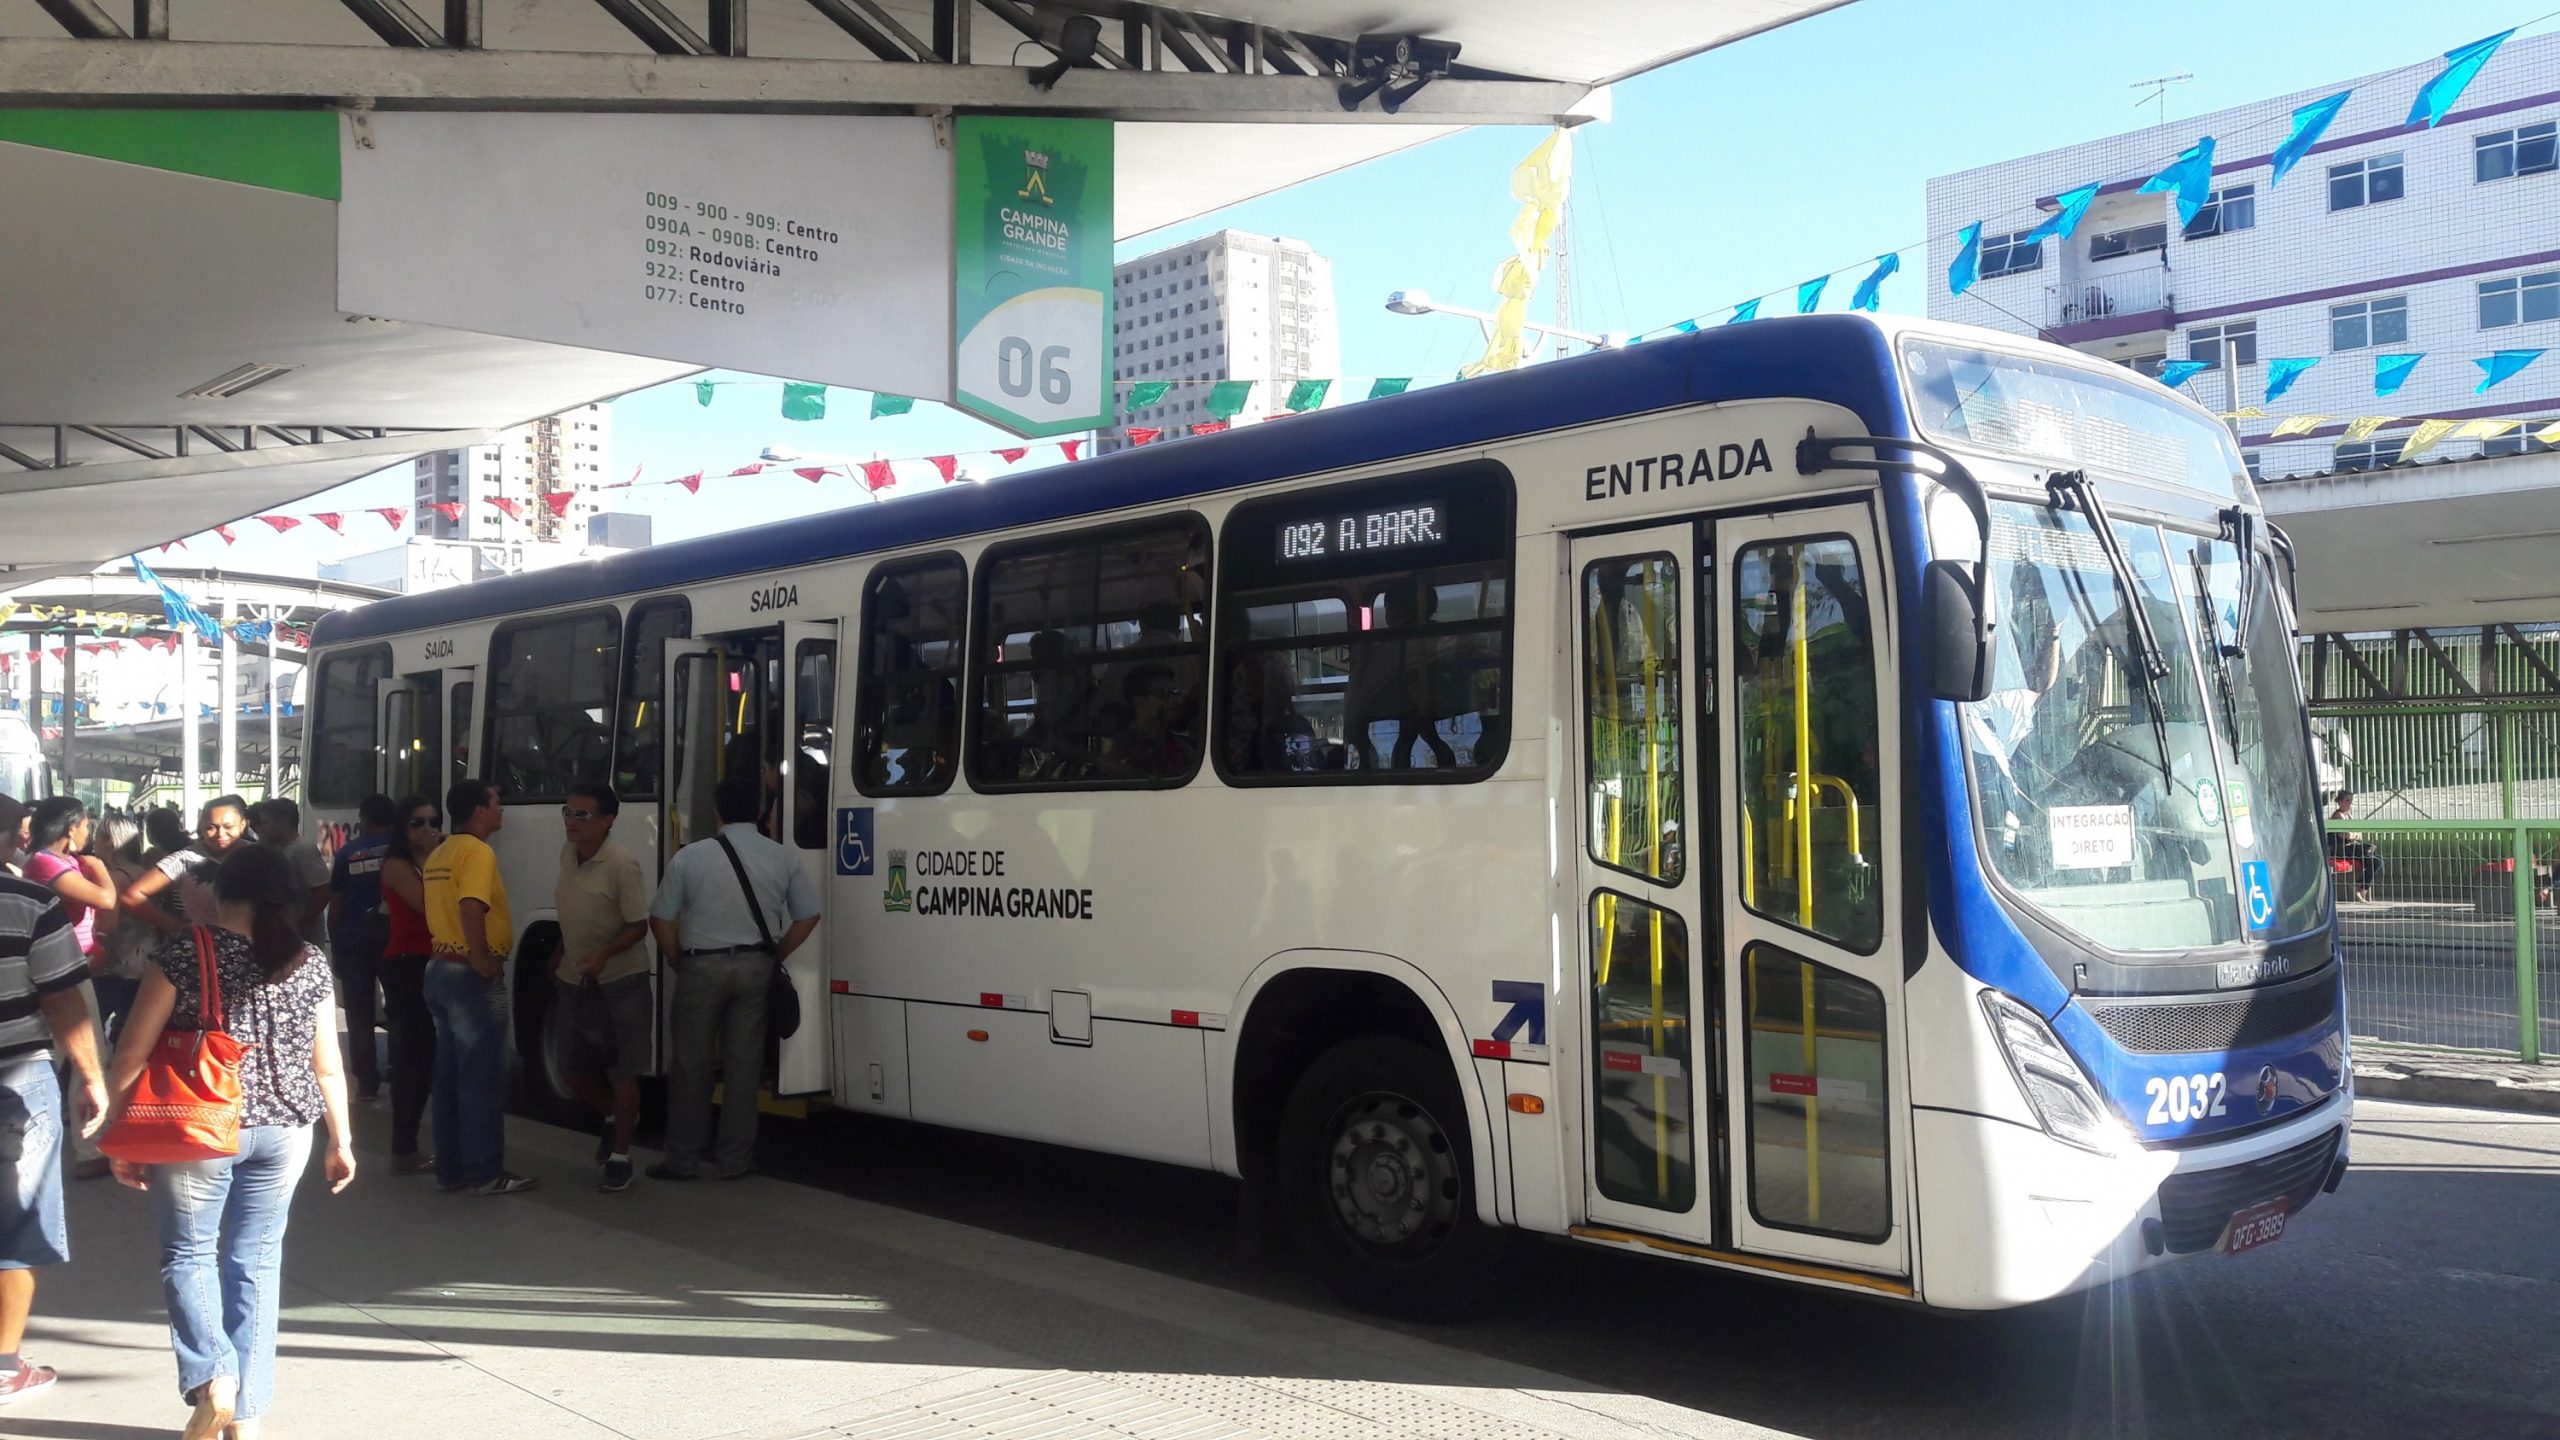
<point>2484,429</point>
<point>1539,183</point>
<point>2549,435</point>
<point>8,611</point>
<point>2424,438</point>
<point>2245,412</point>
<point>2363,426</point>
<point>2298,425</point>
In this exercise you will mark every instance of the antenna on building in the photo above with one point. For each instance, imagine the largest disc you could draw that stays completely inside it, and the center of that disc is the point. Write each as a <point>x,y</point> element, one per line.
<point>2159,85</point>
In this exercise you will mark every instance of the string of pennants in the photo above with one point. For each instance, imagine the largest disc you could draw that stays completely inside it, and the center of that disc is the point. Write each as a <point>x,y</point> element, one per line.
<point>1225,401</point>
<point>2424,434</point>
<point>2188,178</point>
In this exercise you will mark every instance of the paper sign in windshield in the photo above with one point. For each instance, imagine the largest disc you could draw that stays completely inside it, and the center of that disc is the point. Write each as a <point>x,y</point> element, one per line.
<point>2091,837</point>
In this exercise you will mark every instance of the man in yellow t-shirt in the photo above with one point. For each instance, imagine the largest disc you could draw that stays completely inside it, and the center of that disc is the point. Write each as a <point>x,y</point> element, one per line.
<point>471,931</point>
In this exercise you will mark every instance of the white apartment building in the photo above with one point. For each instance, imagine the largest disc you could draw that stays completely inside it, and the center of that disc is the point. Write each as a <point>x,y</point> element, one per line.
<point>2384,239</point>
<point>571,452</point>
<point>1228,306</point>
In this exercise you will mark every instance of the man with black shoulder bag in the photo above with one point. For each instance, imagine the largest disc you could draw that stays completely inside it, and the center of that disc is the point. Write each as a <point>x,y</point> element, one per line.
<point>714,915</point>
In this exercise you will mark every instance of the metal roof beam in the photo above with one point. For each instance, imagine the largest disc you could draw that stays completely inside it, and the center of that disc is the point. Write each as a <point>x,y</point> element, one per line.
<point>83,19</point>
<point>20,458</point>
<point>395,22</point>
<point>657,28</point>
<point>136,72</point>
<point>878,31</point>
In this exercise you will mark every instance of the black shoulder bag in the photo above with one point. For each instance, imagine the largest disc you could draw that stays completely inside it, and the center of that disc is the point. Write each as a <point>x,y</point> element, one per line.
<point>781,1000</point>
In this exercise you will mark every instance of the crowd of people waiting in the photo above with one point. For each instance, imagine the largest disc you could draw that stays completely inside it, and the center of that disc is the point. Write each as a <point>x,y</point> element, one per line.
<point>111,927</point>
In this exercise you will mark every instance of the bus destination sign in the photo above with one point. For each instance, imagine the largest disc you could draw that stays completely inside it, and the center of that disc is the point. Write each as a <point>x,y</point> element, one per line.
<point>1404,528</point>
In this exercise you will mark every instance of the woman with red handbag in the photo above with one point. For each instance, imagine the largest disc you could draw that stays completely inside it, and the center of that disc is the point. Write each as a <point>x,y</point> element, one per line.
<point>246,990</point>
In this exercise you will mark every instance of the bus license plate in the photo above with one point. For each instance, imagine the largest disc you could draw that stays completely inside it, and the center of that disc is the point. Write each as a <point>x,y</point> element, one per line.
<point>2258,1225</point>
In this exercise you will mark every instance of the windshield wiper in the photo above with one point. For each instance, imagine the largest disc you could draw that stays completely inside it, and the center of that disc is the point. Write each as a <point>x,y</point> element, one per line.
<point>2226,658</point>
<point>2241,529</point>
<point>2150,662</point>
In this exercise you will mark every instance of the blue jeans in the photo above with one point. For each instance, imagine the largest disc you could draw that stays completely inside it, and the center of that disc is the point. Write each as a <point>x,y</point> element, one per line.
<point>31,1229</point>
<point>222,1258</point>
<point>469,1097</point>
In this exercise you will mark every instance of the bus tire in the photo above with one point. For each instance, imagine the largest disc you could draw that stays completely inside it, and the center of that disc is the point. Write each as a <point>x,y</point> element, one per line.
<point>541,1070</point>
<point>1375,1181</point>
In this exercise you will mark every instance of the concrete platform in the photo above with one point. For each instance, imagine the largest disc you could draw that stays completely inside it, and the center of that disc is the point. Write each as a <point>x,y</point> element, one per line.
<point>2447,1077</point>
<point>760,1310</point>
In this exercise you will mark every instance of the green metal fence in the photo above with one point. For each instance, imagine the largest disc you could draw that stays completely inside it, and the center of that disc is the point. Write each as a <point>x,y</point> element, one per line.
<point>2444,870</point>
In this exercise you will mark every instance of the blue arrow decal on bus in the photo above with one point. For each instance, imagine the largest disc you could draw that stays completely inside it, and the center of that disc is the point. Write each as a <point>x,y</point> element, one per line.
<point>1528,1002</point>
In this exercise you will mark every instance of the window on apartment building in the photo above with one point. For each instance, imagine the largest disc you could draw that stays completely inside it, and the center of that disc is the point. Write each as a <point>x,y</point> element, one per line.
<point>2525,150</point>
<point>2010,254</point>
<point>2369,322</point>
<point>2234,207</point>
<point>2146,364</point>
<point>2527,440</point>
<point>2137,240</point>
<point>2365,182</point>
<point>2251,459</point>
<point>2237,341</point>
<point>2518,299</point>
<point>2364,454</point>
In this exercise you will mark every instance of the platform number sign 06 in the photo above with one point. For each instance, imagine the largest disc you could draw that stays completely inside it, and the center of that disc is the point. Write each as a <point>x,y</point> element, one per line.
<point>1031,276</point>
<point>2177,1099</point>
<point>1018,376</point>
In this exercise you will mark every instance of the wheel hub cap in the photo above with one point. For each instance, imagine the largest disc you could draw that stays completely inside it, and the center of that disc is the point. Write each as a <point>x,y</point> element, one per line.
<point>1393,1173</point>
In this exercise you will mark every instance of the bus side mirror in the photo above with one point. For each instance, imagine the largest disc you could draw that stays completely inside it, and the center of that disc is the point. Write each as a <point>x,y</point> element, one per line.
<point>1959,633</point>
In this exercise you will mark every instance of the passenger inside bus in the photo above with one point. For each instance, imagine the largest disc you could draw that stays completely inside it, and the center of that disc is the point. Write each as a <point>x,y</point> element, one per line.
<point>1151,744</point>
<point>1392,681</point>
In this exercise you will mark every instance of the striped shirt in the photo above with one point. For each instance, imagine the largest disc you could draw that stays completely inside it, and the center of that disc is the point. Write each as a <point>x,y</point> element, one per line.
<point>39,956</point>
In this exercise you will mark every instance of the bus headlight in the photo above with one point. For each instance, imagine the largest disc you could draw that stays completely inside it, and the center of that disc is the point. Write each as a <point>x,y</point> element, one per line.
<point>2069,1109</point>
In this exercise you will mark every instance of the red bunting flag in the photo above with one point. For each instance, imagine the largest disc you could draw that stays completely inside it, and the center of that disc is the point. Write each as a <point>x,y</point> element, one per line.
<point>1208,427</point>
<point>559,501</point>
<point>1143,434</point>
<point>949,465</point>
<point>878,475</point>
<point>87,648</point>
<point>393,515</point>
<point>692,483</point>
<point>1014,454</point>
<point>1072,448</point>
<point>225,532</point>
<point>756,469</point>
<point>281,523</point>
<point>504,505</point>
<point>332,519</point>
<point>811,473</point>
<point>55,652</point>
<point>173,545</point>
<point>449,509</point>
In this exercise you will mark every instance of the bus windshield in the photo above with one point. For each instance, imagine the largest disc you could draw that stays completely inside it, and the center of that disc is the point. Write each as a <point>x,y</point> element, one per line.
<point>2165,827</point>
<point>2060,413</point>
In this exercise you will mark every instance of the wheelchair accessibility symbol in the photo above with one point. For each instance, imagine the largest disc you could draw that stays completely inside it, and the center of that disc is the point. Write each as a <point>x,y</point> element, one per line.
<point>2259,895</point>
<point>853,840</point>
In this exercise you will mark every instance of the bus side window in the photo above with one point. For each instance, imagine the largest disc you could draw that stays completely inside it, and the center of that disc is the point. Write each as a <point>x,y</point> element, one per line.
<point>550,704</point>
<point>813,724</point>
<point>638,751</point>
<point>343,744</point>
<point>1092,658</point>
<point>907,707</point>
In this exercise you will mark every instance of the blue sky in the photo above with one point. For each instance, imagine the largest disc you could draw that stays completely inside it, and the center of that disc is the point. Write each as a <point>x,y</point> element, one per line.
<point>1734,173</point>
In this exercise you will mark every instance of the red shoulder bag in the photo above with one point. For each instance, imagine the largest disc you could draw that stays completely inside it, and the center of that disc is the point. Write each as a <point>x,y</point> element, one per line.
<point>186,1105</point>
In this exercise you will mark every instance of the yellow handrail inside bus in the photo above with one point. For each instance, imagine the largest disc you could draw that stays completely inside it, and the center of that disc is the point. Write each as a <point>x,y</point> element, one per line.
<point>1801,663</point>
<point>1653,867</point>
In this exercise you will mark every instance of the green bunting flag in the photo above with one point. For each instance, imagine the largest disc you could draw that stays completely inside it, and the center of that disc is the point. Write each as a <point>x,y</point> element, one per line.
<point>803,402</point>
<point>1227,397</point>
<point>1147,392</point>
<point>890,405</point>
<point>1308,394</point>
<point>1396,385</point>
<point>702,391</point>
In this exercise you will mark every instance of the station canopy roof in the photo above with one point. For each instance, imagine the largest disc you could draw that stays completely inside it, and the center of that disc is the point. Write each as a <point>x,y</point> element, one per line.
<point>134,293</point>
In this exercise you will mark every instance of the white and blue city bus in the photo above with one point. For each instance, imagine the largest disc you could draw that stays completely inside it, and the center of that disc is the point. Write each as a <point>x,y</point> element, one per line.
<point>1825,797</point>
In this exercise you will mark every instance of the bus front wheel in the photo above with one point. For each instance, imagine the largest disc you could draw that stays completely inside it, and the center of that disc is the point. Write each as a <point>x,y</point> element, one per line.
<point>1377,1183</point>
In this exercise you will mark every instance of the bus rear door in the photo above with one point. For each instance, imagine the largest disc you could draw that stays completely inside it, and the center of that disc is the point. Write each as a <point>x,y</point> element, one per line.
<point>808,832</point>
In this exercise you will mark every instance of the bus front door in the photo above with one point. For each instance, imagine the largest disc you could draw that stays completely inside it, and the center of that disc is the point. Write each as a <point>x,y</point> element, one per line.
<point>808,832</point>
<point>1647,929</point>
<point>1809,866</point>
<point>461,729</point>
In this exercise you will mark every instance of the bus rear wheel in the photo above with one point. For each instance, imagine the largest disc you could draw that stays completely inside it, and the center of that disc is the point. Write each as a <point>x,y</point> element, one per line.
<point>1376,1181</point>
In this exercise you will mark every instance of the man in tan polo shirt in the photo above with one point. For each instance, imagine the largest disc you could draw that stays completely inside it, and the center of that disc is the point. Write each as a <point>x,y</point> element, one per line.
<point>602,1008</point>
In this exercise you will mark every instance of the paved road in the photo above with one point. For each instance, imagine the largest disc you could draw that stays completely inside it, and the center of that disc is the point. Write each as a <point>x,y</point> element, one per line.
<point>2422,1299</point>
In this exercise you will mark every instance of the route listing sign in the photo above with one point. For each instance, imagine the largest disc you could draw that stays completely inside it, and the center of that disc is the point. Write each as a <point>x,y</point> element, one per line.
<point>1031,298</point>
<point>809,247</point>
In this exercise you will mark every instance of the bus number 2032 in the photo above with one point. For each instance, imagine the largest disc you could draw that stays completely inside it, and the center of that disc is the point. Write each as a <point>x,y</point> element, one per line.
<point>2185,1097</point>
